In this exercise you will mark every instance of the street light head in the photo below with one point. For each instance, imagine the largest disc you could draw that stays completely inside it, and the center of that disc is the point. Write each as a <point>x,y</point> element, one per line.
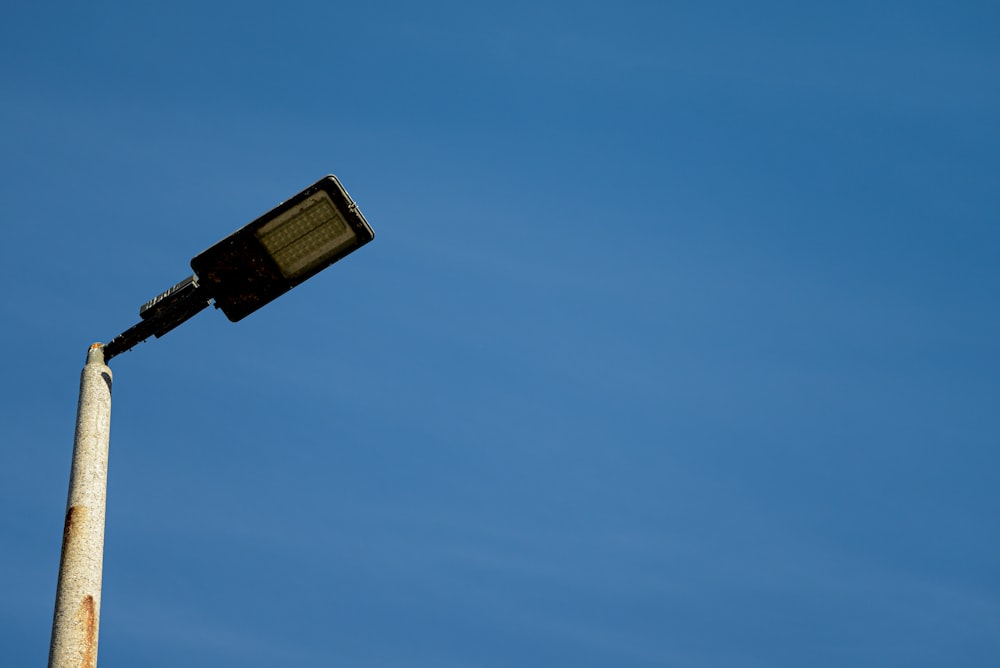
<point>258,262</point>
<point>281,249</point>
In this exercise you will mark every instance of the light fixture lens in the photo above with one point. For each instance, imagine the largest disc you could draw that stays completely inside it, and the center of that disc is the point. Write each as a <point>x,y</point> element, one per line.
<point>306,236</point>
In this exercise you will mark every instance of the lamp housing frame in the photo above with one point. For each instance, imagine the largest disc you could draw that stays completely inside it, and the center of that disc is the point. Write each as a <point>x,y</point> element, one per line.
<point>240,274</point>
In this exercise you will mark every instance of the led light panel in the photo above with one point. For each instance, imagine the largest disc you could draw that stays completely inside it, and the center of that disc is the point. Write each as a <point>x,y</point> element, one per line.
<point>306,236</point>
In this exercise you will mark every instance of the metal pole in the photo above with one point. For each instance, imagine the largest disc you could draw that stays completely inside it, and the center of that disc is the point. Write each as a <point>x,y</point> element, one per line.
<point>76,620</point>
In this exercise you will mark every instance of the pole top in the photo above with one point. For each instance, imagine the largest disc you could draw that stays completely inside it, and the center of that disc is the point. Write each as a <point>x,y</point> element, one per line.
<point>96,354</point>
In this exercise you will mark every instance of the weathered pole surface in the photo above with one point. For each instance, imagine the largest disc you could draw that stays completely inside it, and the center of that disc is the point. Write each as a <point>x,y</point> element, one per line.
<point>77,615</point>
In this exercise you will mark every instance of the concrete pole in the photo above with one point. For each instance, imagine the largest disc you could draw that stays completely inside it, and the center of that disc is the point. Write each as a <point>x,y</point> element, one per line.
<point>78,595</point>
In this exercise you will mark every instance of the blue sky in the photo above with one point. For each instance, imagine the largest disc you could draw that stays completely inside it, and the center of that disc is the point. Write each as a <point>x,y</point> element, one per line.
<point>676,346</point>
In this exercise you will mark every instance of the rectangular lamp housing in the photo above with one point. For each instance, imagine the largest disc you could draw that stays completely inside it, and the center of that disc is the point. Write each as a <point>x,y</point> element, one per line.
<point>283,248</point>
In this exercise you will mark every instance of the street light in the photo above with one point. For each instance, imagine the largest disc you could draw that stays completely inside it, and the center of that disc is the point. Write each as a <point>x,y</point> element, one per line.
<point>258,262</point>
<point>251,267</point>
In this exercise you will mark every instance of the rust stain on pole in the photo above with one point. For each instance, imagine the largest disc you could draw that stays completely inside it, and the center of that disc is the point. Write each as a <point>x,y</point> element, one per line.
<point>68,526</point>
<point>74,515</point>
<point>88,617</point>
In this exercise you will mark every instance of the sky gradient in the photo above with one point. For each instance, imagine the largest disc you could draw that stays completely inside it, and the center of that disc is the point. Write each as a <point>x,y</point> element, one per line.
<point>677,344</point>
